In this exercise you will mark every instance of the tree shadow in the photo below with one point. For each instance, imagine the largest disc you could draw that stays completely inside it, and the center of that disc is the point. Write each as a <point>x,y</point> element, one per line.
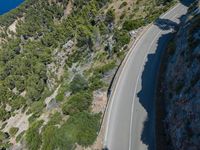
<point>186,2</point>
<point>149,78</point>
<point>147,93</point>
<point>166,24</point>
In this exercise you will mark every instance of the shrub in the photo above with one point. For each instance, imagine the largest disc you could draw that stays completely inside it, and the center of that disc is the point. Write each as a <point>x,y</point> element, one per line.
<point>122,38</point>
<point>36,107</point>
<point>19,137</point>
<point>55,119</point>
<point>13,131</point>
<point>32,137</point>
<point>78,83</point>
<point>95,83</point>
<point>123,5</point>
<point>4,114</point>
<point>82,127</point>
<point>101,70</point>
<point>110,16</point>
<point>133,24</point>
<point>77,103</point>
<point>61,92</point>
<point>18,103</point>
<point>53,138</point>
<point>2,137</point>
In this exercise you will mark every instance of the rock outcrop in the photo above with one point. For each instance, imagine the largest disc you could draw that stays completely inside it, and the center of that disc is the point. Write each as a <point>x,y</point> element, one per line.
<point>182,86</point>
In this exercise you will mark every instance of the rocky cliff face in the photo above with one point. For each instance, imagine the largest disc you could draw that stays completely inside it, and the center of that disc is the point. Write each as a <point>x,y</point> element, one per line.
<point>182,85</point>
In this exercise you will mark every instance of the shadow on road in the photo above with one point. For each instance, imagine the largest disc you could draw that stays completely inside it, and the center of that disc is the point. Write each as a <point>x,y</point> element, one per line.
<point>146,95</point>
<point>165,24</point>
<point>186,2</point>
<point>149,76</point>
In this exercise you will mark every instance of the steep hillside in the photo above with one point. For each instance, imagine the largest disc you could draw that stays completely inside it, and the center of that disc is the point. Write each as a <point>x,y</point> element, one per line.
<point>57,59</point>
<point>181,85</point>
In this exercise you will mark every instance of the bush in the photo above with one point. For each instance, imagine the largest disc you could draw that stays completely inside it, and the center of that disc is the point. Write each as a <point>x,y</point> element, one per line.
<point>53,138</point>
<point>101,70</point>
<point>36,107</point>
<point>32,137</point>
<point>123,5</point>
<point>18,103</point>
<point>110,16</point>
<point>78,84</point>
<point>55,119</point>
<point>77,103</point>
<point>19,137</point>
<point>13,131</point>
<point>2,113</point>
<point>61,93</point>
<point>2,137</point>
<point>122,38</point>
<point>95,83</point>
<point>82,127</point>
<point>133,24</point>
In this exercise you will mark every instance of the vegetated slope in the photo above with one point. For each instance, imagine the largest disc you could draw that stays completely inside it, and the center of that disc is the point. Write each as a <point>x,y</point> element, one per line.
<point>54,56</point>
<point>181,86</point>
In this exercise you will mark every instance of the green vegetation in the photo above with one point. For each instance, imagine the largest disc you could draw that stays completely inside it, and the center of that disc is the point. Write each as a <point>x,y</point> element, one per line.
<point>3,137</point>
<point>95,83</point>
<point>122,38</point>
<point>13,131</point>
<point>19,137</point>
<point>55,138</point>
<point>83,128</point>
<point>55,119</point>
<point>133,24</point>
<point>3,114</point>
<point>101,70</point>
<point>61,94</point>
<point>78,83</point>
<point>33,137</point>
<point>25,56</point>
<point>36,108</point>
<point>110,16</point>
<point>77,103</point>
<point>123,5</point>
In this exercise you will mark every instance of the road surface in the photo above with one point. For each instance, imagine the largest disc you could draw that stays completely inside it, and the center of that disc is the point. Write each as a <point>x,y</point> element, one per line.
<point>130,117</point>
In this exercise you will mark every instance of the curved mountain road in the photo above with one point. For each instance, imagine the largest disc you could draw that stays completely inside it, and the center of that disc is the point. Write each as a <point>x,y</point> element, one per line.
<point>130,116</point>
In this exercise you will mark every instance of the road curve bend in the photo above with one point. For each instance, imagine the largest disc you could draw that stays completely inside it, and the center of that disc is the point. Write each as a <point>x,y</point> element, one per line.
<point>130,116</point>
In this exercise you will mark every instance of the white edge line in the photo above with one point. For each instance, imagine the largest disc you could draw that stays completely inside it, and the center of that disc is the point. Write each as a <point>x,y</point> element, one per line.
<point>132,108</point>
<point>132,51</point>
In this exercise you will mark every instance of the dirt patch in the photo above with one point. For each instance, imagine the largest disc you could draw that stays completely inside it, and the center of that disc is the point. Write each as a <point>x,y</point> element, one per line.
<point>99,102</point>
<point>20,120</point>
<point>13,26</point>
<point>53,96</point>
<point>119,10</point>
<point>68,9</point>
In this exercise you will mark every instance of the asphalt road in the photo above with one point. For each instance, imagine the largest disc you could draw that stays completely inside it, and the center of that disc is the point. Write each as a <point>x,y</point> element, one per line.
<point>130,117</point>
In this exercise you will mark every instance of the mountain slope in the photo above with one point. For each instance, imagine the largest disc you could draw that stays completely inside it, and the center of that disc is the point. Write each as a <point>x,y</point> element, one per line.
<point>181,85</point>
<point>57,59</point>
